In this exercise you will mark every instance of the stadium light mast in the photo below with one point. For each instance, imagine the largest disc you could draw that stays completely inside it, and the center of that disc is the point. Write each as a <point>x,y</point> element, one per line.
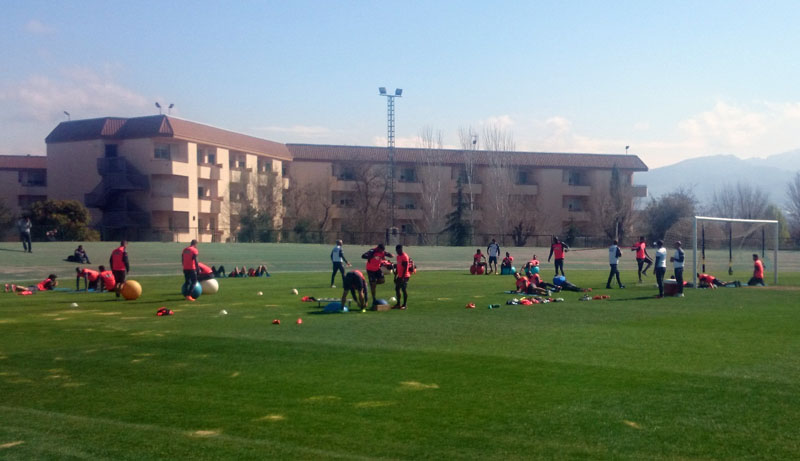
<point>398,93</point>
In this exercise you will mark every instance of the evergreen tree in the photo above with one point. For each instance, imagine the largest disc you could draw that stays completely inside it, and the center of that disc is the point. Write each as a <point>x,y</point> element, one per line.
<point>458,224</point>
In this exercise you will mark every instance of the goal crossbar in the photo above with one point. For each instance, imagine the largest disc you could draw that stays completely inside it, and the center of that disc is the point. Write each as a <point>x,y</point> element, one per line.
<point>751,221</point>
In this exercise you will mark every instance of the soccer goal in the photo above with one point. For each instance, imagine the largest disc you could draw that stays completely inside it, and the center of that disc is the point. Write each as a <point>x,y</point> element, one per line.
<point>721,241</point>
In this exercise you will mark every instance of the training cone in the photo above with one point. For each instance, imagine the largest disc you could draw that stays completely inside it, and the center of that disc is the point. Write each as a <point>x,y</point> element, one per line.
<point>276,322</point>
<point>299,321</point>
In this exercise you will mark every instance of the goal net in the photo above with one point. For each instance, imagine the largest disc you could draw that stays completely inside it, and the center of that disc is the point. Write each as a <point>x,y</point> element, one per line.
<point>724,247</point>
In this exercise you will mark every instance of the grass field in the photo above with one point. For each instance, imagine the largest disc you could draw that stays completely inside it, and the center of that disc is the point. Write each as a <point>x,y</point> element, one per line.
<point>714,375</point>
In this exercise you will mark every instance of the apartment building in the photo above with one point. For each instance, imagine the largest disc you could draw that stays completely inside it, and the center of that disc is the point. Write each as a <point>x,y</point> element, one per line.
<point>549,191</point>
<point>164,178</point>
<point>23,180</point>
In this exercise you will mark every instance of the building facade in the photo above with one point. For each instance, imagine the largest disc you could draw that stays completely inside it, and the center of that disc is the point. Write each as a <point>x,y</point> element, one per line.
<point>164,178</point>
<point>23,180</point>
<point>533,192</point>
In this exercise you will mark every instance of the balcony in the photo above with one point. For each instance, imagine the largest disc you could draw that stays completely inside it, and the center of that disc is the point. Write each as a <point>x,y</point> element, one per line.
<point>578,215</point>
<point>209,205</point>
<point>238,173</point>
<point>574,189</point>
<point>524,189</point>
<point>169,203</point>
<point>208,171</point>
<point>475,187</point>
<point>408,187</point>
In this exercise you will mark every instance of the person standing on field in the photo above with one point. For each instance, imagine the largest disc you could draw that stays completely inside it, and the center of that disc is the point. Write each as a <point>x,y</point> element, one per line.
<point>758,272</point>
<point>337,257</point>
<point>403,270</point>
<point>661,266</point>
<point>642,257</point>
<point>494,252</point>
<point>614,253</point>
<point>119,266</point>
<point>557,249</point>
<point>189,262</point>
<point>677,260</point>
<point>24,227</point>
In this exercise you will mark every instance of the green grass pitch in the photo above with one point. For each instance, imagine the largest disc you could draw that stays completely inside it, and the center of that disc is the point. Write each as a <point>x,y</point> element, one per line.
<point>714,375</point>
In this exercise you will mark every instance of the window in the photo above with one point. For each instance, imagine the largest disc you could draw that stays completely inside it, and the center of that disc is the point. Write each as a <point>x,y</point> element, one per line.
<point>522,177</point>
<point>212,159</point>
<point>32,178</point>
<point>344,172</point>
<point>201,192</point>
<point>573,204</point>
<point>574,178</point>
<point>408,175</point>
<point>111,150</point>
<point>162,151</point>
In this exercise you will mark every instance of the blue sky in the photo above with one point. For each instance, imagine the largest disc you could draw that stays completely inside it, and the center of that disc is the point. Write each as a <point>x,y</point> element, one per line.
<point>673,80</point>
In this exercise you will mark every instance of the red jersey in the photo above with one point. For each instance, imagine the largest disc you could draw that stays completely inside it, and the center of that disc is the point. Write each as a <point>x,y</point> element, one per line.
<point>358,273</point>
<point>640,250</point>
<point>558,250</point>
<point>374,263</point>
<point>758,269</point>
<point>476,259</point>
<point>707,279</point>
<point>90,274</point>
<point>522,284</point>
<point>535,280</point>
<point>202,269</point>
<point>189,258</point>
<point>45,284</point>
<point>118,259</point>
<point>508,260</point>
<point>108,280</point>
<point>403,269</point>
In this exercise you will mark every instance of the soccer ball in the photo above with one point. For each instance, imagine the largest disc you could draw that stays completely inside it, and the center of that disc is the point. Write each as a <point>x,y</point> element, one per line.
<point>73,305</point>
<point>393,300</point>
<point>294,291</point>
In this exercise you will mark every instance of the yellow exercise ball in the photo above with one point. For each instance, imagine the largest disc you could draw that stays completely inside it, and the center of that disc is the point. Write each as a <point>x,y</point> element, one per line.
<point>131,290</point>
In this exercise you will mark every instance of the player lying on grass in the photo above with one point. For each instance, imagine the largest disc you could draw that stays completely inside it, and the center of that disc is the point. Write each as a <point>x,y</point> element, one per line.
<point>562,282</point>
<point>524,285</point>
<point>709,281</point>
<point>91,279</point>
<point>356,284</point>
<point>536,280</point>
<point>47,284</point>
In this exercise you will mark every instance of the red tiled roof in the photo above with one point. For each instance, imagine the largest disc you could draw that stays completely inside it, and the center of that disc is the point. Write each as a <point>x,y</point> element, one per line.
<point>21,162</point>
<point>312,152</point>
<point>163,126</point>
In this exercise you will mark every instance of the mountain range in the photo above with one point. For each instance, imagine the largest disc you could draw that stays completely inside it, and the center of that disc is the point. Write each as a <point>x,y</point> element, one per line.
<point>705,175</point>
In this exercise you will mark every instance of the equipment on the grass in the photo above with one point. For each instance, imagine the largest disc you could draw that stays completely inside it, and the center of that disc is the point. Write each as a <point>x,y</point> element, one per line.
<point>194,291</point>
<point>73,305</point>
<point>335,308</point>
<point>294,291</point>
<point>393,300</point>
<point>131,290</point>
<point>741,233</point>
<point>164,311</point>
<point>210,286</point>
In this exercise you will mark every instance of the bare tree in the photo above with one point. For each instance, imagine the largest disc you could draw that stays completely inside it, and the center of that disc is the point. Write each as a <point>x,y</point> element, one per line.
<point>612,209</point>
<point>793,194</point>
<point>469,142</point>
<point>369,200</point>
<point>309,205</point>
<point>742,201</point>
<point>499,181</point>
<point>434,201</point>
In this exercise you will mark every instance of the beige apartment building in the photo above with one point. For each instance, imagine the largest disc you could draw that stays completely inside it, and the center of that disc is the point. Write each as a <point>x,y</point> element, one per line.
<point>164,178</point>
<point>23,180</point>
<point>543,192</point>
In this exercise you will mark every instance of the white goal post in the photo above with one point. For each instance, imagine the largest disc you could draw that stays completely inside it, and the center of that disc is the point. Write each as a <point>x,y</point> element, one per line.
<point>732,220</point>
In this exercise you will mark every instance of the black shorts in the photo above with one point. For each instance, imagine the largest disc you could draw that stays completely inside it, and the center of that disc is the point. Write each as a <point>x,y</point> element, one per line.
<point>401,283</point>
<point>492,259</point>
<point>376,276</point>
<point>119,276</point>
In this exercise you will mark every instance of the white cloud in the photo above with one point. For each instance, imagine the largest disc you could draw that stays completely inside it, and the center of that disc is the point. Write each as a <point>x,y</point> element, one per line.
<point>81,91</point>
<point>36,27</point>
<point>725,127</point>
<point>504,122</point>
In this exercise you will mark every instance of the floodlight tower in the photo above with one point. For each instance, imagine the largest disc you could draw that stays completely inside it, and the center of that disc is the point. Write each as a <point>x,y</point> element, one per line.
<point>398,93</point>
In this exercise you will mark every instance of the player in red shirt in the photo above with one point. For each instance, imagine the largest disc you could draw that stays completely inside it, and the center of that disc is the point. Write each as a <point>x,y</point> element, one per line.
<point>758,272</point>
<point>642,257</point>
<point>558,249</point>
<point>90,278</point>
<point>507,263</point>
<point>354,283</point>
<point>375,259</point>
<point>204,272</point>
<point>403,270</point>
<point>107,279</point>
<point>189,262</point>
<point>119,265</point>
<point>709,281</point>
<point>479,260</point>
<point>522,283</point>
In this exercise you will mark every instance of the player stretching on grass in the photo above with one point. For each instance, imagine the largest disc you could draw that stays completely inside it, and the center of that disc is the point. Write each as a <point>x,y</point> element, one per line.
<point>557,249</point>
<point>91,279</point>
<point>119,265</point>
<point>354,283</point>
